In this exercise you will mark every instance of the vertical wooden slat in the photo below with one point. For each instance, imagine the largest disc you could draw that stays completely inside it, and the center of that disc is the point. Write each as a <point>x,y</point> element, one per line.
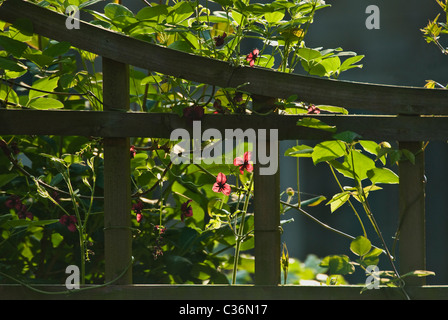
<point>412,243</point>
<point>117,185</point>
<point>266,210</point>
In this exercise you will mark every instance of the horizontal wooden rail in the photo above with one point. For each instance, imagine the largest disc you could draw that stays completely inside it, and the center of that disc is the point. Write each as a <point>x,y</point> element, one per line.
<point>379,98</point>
<point>160,125</point>
<point>224,292</point>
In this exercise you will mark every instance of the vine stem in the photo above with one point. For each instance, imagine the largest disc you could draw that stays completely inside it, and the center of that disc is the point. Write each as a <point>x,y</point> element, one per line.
<point>239,236</point>
<point>350,203</point>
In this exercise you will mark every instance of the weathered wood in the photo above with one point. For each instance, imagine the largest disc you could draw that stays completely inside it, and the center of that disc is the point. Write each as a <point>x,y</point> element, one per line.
<point>412,239</point>
<point>160,125</point>
<point>266,201</point>
<point>265,82</point>
<point>117,184</point>
<point>223,292</point>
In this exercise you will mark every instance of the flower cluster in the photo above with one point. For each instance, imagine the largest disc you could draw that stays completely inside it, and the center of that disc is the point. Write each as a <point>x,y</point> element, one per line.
<point>221,180</point>
<point>69,221</point>
<point>15,203</point>
<point>157,251</point>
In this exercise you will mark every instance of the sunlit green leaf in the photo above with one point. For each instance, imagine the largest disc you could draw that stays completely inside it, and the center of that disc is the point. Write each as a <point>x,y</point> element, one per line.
<point>360,246</point>
<point>45,103</point>
<point>382,175</point>
<point>328,150</point>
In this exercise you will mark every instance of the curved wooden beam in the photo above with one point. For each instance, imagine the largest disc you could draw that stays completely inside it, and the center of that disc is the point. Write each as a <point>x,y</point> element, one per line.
<point>362,96</point>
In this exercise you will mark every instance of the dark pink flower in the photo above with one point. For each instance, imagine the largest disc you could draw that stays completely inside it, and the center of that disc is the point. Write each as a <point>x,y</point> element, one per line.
<point>251,57</point>
<point>69,221</point>
<point>312,109</point>
<point>243,163</point>
<point>221,185</point>
<point>137,208</point>
<point>13,202</point>
<point>193,113</point>
<point>133,152</point>
<point>22,212</point>
<point>186,210</point>
<point>219,40</point>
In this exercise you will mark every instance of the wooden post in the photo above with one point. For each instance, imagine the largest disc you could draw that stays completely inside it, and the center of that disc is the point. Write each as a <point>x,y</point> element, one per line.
<point>412,244</point>
<point>117,184</point>
<point>267,211</point>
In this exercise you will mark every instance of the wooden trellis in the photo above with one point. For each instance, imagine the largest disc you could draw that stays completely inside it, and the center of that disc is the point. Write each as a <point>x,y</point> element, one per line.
<point>406,115</point>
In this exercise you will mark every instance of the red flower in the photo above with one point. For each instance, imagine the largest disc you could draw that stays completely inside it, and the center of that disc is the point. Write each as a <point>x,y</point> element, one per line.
<point>219,40</point>
<point>221,185</point>
<point>186,210</point>
<point>133,152</point>
<point>251,57</point>
<point>312,109</point>
<point>137,208</point>
<point>194,112</point>
<point>243,163</point>
<point>69,221</point>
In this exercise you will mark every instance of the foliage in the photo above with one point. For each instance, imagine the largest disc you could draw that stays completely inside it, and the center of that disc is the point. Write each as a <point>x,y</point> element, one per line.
<point>192,223</point>
<point>432,32</point>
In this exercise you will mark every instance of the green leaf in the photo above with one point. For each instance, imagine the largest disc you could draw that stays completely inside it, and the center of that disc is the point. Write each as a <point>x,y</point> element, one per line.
<point>15,47</point>
<point>11,65</point>
<point>328,150</point>
<point>338,200</point>
<point>308,54</point>
<point>6,178</point>
<point>181,45</point>
<point>382,175</point>
<point>372,258</point>
<point>313,201</point>
<point>408,155</point>
<point>274,17</point>
<point>88,3</point>
<point>331,65</point>
<point>338,264</point>
<point>45,84</point>
<point>347,136</point>
<point>8,94</point>
<point>370,146</point>
<point>21,30</point>
<point>299,151</point>
<point>349,63</point>
<point>156,12</point>
<point>360,246</point>
<point>27,223</point>
<point>419,273</point>
<point>57,49</point>
<point>315,124</point>
<point>114,10</point>
<point>179,12</point>
<point>333,109</point>
<point>45,103</point>
<point>355,165</point>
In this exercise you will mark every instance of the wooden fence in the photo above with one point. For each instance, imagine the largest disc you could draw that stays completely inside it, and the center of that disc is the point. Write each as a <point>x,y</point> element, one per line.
<point>403,114</point>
